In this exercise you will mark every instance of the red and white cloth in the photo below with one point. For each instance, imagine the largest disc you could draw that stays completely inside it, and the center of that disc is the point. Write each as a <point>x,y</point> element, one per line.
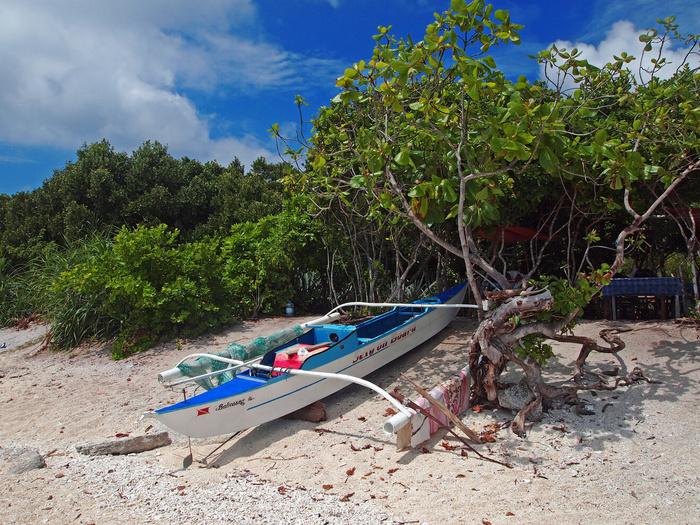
<point>453,393</point>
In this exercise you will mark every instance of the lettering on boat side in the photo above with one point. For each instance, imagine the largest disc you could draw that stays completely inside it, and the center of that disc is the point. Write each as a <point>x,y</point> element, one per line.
<point>401,336</point>
<point>230,404</point>
<point>382,346</point>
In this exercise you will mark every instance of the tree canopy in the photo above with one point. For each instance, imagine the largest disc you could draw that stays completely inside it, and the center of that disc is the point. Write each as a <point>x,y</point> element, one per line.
<point>104,190</point>
<point>432,133</point>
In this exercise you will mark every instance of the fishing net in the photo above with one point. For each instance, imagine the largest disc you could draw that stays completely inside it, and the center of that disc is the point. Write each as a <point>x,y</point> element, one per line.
<point>259,346</point>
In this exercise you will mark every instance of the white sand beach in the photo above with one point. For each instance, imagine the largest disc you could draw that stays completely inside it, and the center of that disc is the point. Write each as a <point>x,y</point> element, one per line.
<point>635,460</point>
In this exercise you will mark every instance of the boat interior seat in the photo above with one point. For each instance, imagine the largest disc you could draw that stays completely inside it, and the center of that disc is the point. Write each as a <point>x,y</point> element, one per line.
<point>294,356</point>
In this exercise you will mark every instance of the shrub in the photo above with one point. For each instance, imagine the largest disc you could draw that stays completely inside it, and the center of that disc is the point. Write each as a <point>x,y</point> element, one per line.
<point>264,259</point>
<point>13,302</point>
<point>149,287</point>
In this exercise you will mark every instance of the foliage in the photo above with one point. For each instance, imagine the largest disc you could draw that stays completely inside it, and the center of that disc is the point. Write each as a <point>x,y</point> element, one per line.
<point>15,303</point>
<point>429,133</point>
<point>534,346</point>
<point>569,299</point>
<point>104,190</point>
<point>26,291</point>
<point>678,264</point>
<point>147,286</point>
<point>433,133</point>
<point>266,258</point>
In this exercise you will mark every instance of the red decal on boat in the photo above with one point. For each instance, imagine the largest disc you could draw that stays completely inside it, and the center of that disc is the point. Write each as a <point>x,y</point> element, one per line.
<point>202,411</point>
<point>370,352</point>
<point>401,336</point>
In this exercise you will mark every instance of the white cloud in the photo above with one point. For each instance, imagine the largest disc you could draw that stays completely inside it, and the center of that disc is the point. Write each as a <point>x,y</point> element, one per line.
<point>75,71</point>
<point>15,160</point>
<point>623,37</point>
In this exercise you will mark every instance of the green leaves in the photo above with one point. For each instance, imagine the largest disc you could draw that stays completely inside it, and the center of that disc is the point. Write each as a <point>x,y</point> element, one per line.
<point>403,158</point>
<point>601,136</point>
<point>148,286</point>
<point>459,6</point>
<point>534,347</point>
<point>358,181</point>
<point>548,159</point>
<point>449,192</point>
<point>318,162</point>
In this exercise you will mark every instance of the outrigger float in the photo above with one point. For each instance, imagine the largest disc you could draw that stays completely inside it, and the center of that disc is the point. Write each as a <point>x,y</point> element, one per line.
<point>246,386</point>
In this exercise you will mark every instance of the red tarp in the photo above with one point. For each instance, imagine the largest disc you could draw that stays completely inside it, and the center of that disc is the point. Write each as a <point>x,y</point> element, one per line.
<point>512,234</point>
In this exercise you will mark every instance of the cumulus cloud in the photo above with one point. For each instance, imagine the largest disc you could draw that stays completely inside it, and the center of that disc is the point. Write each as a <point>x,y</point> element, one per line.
<point>623,37</point>
<point>75,71</point>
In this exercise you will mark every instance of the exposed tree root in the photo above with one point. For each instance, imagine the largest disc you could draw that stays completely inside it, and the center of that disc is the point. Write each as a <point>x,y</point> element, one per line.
<point>589,345</point>
<point>492,347</point>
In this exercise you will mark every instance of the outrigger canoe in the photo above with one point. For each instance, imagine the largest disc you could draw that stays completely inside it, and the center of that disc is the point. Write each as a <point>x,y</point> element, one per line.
<point>300,366</point>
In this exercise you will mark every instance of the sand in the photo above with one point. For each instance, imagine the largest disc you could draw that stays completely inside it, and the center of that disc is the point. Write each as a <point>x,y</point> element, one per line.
<point>635,460</point>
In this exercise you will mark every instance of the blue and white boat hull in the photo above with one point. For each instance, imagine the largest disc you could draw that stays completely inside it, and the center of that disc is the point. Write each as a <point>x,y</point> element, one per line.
<point>256,396</point>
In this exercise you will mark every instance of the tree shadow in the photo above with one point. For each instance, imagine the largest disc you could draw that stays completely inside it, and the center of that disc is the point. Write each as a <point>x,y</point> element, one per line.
<point>617,414</point>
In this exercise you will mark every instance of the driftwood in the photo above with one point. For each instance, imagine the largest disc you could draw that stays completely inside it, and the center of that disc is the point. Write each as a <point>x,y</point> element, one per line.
<point>314,412</point>
<point>128,445</point>
<point>588,345</point>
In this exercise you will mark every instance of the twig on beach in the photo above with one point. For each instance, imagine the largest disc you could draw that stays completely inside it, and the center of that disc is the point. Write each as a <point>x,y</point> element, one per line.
<point>280,459</point>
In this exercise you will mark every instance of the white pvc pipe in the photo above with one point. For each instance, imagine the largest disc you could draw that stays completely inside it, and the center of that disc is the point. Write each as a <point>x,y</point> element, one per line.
<point>212,356</point>
<point>340,377</point>
<point>330,316</point>
<point>398,421</point>
<point>411,305</point>
<point>162,378</point>
<point>169,375</point>
<point>175,372</point>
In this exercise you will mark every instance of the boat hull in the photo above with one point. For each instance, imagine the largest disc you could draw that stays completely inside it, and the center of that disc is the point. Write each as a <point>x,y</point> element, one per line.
<point>245,402</point>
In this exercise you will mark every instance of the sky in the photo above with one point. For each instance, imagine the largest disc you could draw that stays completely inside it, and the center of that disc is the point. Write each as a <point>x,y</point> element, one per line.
<point>208,78</point>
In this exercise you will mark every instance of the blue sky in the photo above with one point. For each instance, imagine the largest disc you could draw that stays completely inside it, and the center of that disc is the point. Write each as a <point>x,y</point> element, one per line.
<point>209,77</point>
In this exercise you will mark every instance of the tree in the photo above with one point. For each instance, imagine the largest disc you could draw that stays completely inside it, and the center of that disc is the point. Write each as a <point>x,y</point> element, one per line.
<point>682,209</point>
<point>104,190</point>
<point>433,133</point>
<point>246,197</point>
